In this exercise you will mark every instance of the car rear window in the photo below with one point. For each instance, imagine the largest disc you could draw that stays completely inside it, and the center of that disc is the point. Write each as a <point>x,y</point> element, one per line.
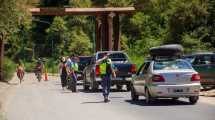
<point>204,60</point>
<point>114,56</point>
<point>171,65</point>
<point>84,59</point>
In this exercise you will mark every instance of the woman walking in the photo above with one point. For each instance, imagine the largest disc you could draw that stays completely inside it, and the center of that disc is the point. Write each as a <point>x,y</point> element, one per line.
<point>63,72</point>
<point>20,72</point>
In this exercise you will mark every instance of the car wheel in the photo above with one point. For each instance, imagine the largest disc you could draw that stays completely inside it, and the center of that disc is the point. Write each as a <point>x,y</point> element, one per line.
<point>134,95</point>
<point>148,96</point>
<point>128,87</point>
<point>119,87</point>
<point>94,86</point>
<point>193,100</point>
<point>85,86</point>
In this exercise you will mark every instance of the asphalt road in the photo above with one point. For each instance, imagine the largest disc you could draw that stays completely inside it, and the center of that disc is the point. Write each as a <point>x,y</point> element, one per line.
<point>47,101</point>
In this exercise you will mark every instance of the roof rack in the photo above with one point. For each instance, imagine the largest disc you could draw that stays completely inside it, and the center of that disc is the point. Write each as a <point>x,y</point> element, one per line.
<point>171,51</point>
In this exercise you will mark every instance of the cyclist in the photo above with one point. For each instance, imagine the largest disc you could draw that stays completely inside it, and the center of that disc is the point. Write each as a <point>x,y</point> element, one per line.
<point>72,68</point>
<point>39,69</point>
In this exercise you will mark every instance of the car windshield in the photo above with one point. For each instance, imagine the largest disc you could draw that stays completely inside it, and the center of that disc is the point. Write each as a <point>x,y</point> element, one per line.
<point>171,65</point>
<point>115,56</point>
<point>84,60</point>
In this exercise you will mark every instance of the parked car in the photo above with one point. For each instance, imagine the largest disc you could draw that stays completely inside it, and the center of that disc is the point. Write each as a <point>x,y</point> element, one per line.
<point>166,77</point>
<point>82,63</point>
<point>125,70</point>
<point>204,63</point>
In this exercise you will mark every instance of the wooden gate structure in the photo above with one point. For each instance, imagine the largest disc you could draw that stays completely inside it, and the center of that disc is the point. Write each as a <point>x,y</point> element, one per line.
<point>107,24</point>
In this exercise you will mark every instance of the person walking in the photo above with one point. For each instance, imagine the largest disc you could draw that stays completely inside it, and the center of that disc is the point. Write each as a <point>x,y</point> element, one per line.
<point>20,72</point>
<point>63,72</point>
<point>106,72</point>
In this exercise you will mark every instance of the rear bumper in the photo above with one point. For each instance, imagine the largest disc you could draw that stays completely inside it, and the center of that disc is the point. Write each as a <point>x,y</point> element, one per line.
<point>118,81</point>
<point>185,90</point>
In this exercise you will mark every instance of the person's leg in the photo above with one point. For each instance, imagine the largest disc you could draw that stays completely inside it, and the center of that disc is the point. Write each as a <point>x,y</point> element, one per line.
<point>108,82</point>
<point>62,81</point>
<point>105,88</point>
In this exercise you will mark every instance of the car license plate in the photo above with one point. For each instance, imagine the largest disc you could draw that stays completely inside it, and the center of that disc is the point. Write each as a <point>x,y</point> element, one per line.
<point>178,90</point>
<point>118,78</point>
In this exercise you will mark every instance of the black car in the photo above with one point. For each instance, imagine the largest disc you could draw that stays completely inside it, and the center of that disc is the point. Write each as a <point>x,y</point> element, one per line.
<point>83,62</point>
<point>204,63</point>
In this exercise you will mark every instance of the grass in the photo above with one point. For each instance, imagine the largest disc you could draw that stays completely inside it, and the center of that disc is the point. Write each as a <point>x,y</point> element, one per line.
<point>8,69</point>
<point>2,117</point>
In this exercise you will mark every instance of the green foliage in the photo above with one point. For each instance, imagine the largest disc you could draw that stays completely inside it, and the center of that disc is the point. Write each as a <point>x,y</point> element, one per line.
<point>80,3</point>
<point>52,65</point>
<point>119,3</point>
<point>29,66</point>
<point>57,37</point>
<point>9,67</point>
<point>80,43</point>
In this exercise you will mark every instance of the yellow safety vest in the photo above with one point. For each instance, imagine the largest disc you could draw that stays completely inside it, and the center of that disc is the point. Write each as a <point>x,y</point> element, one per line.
<point>74,66</point>
<point>103,66</point>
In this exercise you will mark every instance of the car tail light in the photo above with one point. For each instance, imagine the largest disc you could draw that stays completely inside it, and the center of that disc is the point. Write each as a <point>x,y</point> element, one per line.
<point>97,70</point>
<point>158,78</point>
<point>195,77</point>
<point>133,69</point>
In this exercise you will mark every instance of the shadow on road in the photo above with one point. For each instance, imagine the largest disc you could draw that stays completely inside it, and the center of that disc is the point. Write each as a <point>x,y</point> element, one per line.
<point>12,83</point>
<point>92,102</point>
<point>160,102</point>
<point>100,90</point>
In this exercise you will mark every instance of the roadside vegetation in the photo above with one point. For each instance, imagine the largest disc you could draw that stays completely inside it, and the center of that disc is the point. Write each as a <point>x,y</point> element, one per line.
<point>187,22</point>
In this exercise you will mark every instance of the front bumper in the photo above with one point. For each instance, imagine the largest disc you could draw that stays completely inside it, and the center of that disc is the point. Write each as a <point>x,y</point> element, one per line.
<point>185,90</point>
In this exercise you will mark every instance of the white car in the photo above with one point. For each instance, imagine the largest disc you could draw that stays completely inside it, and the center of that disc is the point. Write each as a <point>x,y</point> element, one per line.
<point>166,78</point>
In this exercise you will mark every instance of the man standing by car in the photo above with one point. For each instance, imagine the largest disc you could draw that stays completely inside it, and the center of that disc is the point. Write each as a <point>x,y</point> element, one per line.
<point>106,70</point>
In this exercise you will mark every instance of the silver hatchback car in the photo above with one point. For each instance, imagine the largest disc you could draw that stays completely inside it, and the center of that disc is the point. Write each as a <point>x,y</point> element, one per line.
<point>166,78</point>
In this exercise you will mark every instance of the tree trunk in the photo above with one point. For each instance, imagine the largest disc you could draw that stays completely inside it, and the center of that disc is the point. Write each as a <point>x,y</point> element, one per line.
<point>1,57</point>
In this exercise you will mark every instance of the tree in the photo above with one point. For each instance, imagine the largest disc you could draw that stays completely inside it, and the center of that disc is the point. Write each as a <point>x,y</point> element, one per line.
<point>13,13</point>
<point>57,37</point>
<point>79,42</point>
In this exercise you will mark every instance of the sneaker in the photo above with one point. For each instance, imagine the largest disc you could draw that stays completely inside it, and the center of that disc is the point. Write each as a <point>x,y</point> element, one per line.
<point>106,100</point>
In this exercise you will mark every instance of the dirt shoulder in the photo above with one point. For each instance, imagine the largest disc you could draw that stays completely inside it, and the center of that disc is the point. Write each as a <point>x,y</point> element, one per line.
<point>5,89</point>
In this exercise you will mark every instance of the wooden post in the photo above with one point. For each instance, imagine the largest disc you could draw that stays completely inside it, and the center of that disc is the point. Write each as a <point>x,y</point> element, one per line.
<point>110,30</point>
<point>117,32</point>
<point>1,56</point>
<point>104,33</point>
<point>98,33</point>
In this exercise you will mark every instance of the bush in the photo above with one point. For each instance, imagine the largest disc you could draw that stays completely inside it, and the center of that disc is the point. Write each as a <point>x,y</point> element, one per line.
<point>29,66</point>
<point>9,67</point>
<point>51,65</point>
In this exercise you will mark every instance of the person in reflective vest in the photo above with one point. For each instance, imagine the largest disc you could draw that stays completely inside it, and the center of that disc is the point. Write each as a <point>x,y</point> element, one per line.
<point>106,71</point>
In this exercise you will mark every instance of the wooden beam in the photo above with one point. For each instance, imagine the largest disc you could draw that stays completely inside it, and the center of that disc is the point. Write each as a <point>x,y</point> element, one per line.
<point>80,11</point>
